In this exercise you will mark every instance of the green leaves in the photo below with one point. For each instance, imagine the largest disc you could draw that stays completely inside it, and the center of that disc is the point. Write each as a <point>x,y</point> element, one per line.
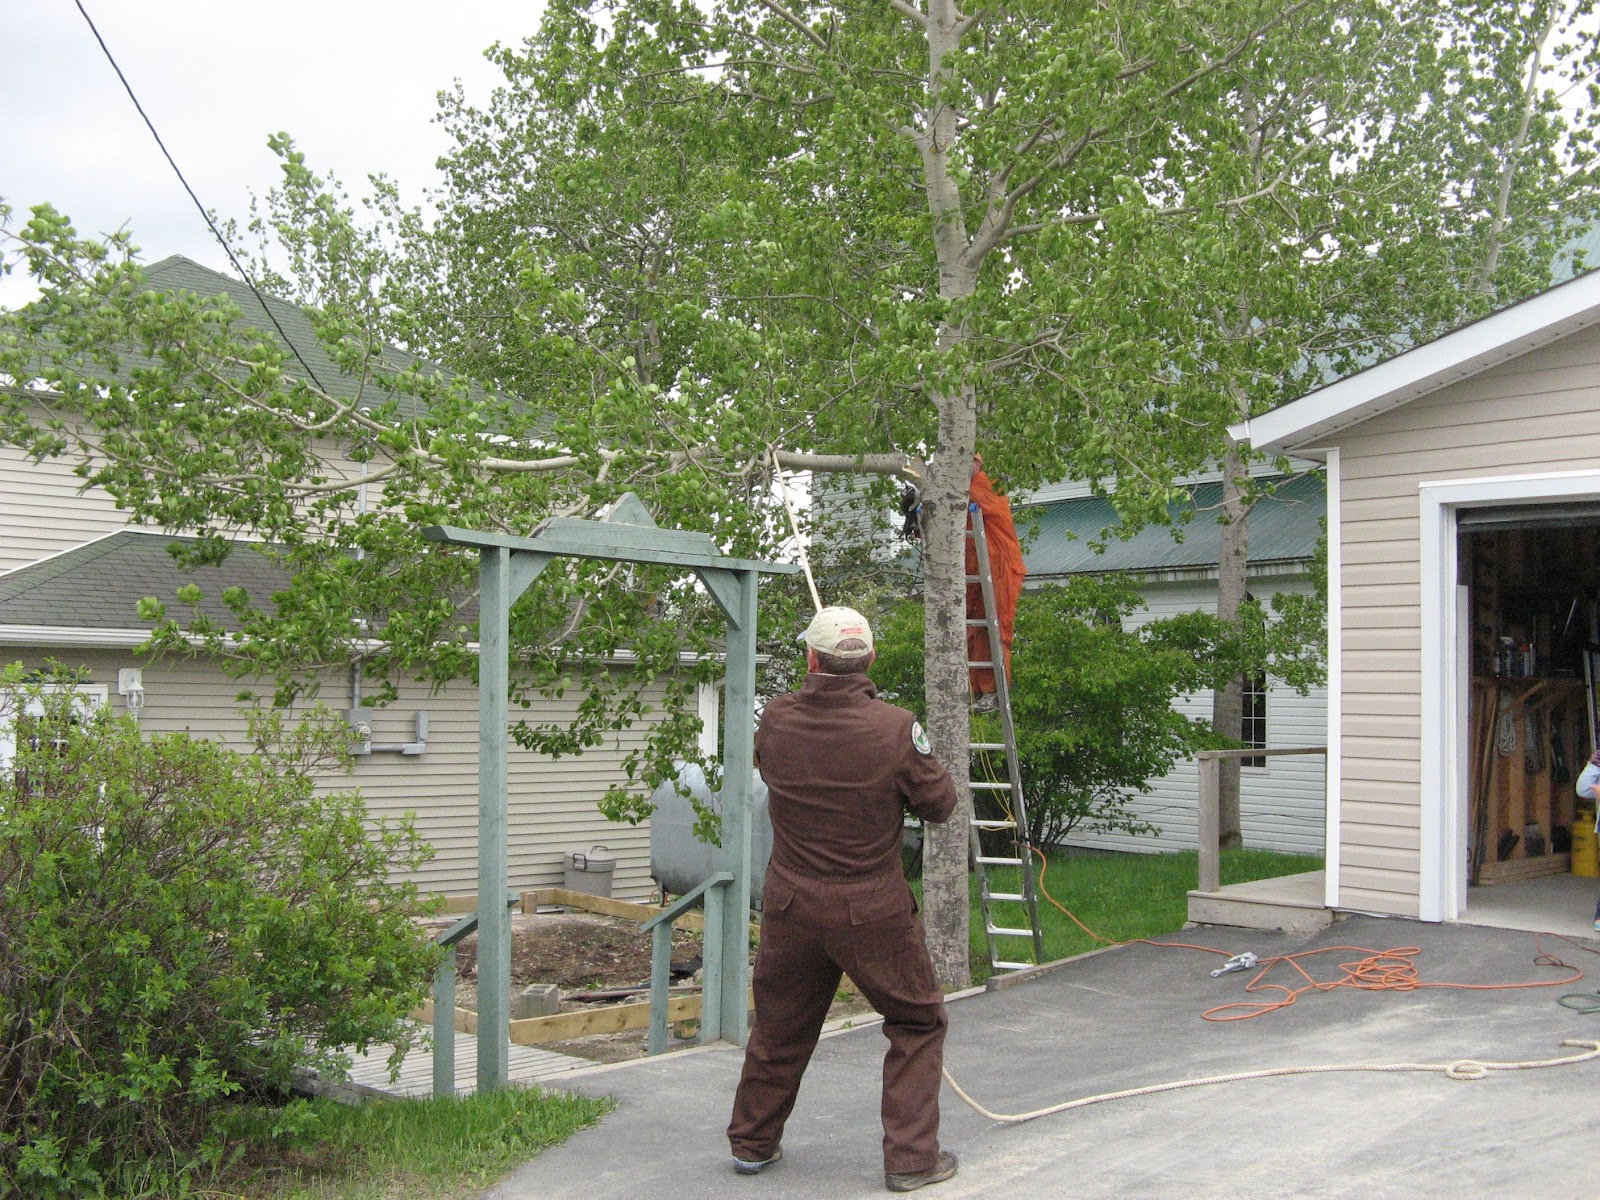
<point>178,923</point>
<point>1092,701</point>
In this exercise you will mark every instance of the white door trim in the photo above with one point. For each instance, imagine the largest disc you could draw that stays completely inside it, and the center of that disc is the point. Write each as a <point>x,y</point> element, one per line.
<point>1443,869</point>
<point>1333,764</point>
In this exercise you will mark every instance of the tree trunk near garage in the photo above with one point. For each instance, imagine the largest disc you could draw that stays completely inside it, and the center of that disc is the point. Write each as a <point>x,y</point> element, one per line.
<point>1227,704</point>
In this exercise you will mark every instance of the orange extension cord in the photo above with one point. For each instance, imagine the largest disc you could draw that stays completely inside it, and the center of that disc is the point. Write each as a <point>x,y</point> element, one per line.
<point>1393,970</point>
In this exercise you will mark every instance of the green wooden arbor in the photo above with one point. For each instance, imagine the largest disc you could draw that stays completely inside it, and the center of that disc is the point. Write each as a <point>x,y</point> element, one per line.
<point>506,566</point>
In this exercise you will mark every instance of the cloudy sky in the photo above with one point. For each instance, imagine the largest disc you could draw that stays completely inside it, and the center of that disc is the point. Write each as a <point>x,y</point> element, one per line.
<point>353,81</point>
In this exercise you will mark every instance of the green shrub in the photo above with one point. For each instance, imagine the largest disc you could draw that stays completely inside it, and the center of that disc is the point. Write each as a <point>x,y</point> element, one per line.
<point>1091,700</point>
<point>180,926</point>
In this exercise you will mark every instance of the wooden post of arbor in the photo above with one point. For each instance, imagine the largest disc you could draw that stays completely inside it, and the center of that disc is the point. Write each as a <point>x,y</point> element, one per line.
<point>507,566</point>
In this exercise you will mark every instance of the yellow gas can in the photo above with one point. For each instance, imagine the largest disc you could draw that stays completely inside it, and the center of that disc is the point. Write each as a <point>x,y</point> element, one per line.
<point>1585,845</point>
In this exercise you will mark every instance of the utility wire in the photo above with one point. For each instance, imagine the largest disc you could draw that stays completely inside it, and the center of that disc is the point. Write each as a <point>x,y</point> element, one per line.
<point>206,216</point>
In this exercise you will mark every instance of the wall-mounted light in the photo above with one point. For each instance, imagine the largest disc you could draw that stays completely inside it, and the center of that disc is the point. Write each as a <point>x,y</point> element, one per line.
<point>130,686</point>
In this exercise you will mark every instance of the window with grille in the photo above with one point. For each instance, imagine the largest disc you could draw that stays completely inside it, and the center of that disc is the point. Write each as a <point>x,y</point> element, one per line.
<point>29,727</point>
<point>1253,728</point>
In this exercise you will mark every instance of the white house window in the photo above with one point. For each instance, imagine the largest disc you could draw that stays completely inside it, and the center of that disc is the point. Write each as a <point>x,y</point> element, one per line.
<point>87,698</point>
<point>1253,729</point>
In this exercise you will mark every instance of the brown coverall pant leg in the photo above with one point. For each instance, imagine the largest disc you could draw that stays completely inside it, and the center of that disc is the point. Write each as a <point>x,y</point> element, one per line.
<point>807,941</point>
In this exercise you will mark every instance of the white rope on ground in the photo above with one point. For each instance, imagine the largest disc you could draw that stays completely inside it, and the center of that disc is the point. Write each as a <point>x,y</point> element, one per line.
<point>1463,1069</point>
<point>794,524</point>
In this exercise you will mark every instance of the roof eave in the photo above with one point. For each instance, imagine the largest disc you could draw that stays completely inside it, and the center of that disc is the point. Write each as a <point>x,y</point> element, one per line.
<point>89,638</point>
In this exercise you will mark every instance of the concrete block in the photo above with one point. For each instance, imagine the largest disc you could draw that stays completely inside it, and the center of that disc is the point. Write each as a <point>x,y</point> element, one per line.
<point>536,1000</point>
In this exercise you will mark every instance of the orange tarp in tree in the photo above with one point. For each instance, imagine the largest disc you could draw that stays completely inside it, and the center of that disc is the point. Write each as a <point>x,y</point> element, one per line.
<point>1005,564</point>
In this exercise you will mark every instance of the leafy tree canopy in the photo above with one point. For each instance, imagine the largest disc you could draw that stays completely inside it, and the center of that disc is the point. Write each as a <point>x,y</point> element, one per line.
<point>862,235</point>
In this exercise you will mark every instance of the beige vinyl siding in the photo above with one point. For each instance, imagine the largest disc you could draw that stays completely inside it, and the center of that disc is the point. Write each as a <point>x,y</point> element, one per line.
<point>1537,413</point>
<point>552,803</point>
<point>43,513</point>
<point>1281,805</point>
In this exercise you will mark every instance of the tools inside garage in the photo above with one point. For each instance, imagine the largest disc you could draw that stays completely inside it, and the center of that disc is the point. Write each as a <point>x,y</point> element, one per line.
<point>1535,666</point>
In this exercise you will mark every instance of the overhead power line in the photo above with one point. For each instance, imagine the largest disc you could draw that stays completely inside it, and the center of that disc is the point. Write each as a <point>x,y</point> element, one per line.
<point>204,215</point>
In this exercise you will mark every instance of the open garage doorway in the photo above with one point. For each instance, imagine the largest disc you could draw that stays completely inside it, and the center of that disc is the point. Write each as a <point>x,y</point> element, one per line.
<point>1532,650</point>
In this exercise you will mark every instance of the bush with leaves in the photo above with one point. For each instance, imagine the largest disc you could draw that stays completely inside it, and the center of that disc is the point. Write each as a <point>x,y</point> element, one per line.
<point>1091,700</point>
<point>181,927</point>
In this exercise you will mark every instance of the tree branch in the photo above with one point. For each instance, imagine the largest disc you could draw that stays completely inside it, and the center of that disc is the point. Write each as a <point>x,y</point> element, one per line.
<point>789,18</point>
<point>902,466</point>
<point>910,12</point>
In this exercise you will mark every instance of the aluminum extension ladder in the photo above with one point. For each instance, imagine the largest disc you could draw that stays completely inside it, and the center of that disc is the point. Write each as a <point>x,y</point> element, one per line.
<point>1008,917</point>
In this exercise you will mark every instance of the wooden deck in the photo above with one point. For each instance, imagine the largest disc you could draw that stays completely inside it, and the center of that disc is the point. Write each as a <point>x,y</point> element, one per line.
<point>369,1073</point>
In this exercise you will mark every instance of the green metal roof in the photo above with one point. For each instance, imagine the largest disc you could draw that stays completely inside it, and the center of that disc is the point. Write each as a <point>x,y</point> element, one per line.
<point>1284,529</point>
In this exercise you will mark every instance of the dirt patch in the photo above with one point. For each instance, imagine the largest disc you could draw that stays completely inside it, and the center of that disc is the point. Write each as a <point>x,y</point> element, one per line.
<point>579,951</point>
<point>583,952</point>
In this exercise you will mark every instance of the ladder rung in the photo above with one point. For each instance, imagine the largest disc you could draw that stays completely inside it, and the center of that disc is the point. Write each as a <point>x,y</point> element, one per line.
<point>1002,931</point>
<point>993,787</point>
<point>999,862</point>
<point>980,664</point>
<point>1018,897</point>
<point>977,620</point>
<point>986,745</point>
<point>999,965</point>
<point>994,824</point>
<point>974,578</point>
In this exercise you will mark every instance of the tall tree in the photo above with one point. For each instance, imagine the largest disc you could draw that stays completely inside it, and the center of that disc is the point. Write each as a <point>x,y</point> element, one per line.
<point>938,218</point>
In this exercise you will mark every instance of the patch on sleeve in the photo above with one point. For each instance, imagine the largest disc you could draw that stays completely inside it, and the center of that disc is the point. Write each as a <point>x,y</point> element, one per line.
<point>919,739</point>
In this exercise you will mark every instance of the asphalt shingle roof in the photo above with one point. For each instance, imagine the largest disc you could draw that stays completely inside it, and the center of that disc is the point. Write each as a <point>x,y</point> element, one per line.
<point>1283,528</point>
<point>99,585</point>
<point>180,274</point>
<point>286,324</point>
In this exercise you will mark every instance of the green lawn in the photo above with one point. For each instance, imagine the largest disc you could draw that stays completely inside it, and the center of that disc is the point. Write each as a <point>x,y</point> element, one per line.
<point>395,1150</point>
<point>1121,896</point>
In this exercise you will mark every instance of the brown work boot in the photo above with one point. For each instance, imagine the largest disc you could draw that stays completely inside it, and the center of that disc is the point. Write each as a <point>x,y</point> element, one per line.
<point>910,1181</point>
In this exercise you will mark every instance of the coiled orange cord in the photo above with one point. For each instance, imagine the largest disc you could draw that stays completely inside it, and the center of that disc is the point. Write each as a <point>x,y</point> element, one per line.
<point>1393,970</point>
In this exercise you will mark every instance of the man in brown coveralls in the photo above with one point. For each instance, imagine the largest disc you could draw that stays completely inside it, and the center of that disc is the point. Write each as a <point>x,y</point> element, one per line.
<point>840,765</point>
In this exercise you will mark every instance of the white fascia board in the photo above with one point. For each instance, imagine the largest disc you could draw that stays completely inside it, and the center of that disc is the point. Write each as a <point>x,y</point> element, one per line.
<point>54,554</point>
<point>1075,489</point>
<point>1278,568</point>
<point>1474,348</point>
<point>75,636</point>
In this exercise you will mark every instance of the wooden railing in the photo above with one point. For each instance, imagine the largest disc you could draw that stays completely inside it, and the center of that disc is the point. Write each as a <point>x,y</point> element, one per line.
<point>1210,830</point>
<point>660,927</point>
<point>444,1002</point>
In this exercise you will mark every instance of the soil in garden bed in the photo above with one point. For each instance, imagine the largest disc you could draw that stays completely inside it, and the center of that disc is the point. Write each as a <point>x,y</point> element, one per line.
<point>580,952</point>
<point>577,951</point>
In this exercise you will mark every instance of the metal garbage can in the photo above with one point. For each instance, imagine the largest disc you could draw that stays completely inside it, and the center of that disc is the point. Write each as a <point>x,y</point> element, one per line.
<point>589,871</point>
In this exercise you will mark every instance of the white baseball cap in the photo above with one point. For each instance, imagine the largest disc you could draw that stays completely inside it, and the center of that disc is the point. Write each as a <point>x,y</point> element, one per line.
<point>837,624</point>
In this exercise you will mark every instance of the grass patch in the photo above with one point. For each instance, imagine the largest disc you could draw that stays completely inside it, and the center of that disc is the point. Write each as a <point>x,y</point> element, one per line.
<point>1120,896</point>
<point>438,1149</point>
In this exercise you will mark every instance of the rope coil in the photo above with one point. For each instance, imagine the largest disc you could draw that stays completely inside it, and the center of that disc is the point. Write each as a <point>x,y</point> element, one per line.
<point>1465,1070</point>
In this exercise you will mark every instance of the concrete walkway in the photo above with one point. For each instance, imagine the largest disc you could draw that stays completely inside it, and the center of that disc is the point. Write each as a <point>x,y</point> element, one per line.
<point>1130,1017</point>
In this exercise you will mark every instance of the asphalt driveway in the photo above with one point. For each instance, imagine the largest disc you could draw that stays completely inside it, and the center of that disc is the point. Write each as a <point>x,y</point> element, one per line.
<point>1130,1017</point>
